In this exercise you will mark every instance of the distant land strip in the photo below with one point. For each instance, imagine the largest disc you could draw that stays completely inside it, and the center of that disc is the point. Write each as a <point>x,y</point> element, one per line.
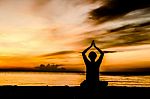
<point>71,71</point>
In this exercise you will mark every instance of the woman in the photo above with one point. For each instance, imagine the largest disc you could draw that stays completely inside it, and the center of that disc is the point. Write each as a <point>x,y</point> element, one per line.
<point>92,66</point>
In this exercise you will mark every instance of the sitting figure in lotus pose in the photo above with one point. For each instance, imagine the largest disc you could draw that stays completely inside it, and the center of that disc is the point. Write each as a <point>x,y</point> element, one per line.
<point>92,68</point>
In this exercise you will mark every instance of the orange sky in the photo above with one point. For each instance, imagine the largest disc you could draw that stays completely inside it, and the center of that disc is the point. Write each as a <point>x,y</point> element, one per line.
<point>36,31</point>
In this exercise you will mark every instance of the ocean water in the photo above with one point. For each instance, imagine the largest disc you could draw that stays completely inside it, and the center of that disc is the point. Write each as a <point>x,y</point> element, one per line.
<point>70,79</point>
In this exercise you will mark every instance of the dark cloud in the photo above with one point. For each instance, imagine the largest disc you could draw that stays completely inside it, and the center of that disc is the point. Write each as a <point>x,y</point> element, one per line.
<point>109,51</point>
<point>144,69</point>
<point>120,28</point>
<point>137,25</point>
<point>143,24</point>
<point>113,9</point>
<point>127,35</point>
<point>135,31</point>
<point>58,53</point>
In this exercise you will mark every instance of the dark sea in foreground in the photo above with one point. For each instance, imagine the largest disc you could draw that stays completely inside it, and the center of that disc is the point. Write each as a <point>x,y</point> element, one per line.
<point>68,79</point>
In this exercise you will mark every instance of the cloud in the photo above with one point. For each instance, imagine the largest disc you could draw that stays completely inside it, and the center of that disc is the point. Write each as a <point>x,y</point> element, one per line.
<point>137,25</point>
<point>58,53</point>
<point>143,24</point>
<point>142,69</point>
<point>133,34</point>
<point>112,9</point>
<point>109,51</point>
<point>130,34</point>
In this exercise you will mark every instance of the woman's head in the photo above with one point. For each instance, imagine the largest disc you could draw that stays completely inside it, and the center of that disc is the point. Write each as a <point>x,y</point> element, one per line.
<point>92,56</point>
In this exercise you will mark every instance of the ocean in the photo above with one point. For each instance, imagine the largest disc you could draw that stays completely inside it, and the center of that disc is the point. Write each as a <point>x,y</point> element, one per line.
<point>68,79</point>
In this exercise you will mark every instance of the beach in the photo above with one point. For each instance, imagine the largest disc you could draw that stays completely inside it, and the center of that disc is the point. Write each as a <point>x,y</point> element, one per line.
<point>75,92</point>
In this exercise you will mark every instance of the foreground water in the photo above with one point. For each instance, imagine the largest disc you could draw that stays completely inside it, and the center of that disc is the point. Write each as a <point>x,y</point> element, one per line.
<point>70,79</point>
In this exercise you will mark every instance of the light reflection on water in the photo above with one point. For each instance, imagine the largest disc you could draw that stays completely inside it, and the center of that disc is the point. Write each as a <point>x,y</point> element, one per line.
<point>130,81</point>
<point>70,79</point>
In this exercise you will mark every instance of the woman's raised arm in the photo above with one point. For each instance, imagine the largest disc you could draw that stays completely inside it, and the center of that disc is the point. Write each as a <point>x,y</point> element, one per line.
<point>101,56</point>
<point>84,52</point>
<point>100,51</point>
<point>88,48</point>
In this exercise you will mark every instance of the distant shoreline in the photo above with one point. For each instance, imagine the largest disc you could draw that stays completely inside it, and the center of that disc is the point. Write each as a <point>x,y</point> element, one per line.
<point>40,71</point>
<point>69,71</point>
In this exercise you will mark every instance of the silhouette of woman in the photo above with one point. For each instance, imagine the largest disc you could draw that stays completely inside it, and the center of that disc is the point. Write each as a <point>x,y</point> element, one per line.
<point>92,67</point>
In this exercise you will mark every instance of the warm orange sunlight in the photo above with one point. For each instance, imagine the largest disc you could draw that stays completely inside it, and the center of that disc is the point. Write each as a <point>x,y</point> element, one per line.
<point>41,32</point>
<point>75,49</point>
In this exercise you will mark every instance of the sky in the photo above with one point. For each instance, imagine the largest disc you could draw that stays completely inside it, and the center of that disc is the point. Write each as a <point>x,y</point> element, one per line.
<point>34,32</point>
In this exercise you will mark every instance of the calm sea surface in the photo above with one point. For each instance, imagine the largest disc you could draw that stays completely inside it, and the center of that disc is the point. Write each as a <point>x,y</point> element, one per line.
<point>70,79</point>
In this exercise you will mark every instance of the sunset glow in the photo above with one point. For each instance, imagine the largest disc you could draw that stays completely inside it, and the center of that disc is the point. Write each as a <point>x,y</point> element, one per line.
<point>34,32</point>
